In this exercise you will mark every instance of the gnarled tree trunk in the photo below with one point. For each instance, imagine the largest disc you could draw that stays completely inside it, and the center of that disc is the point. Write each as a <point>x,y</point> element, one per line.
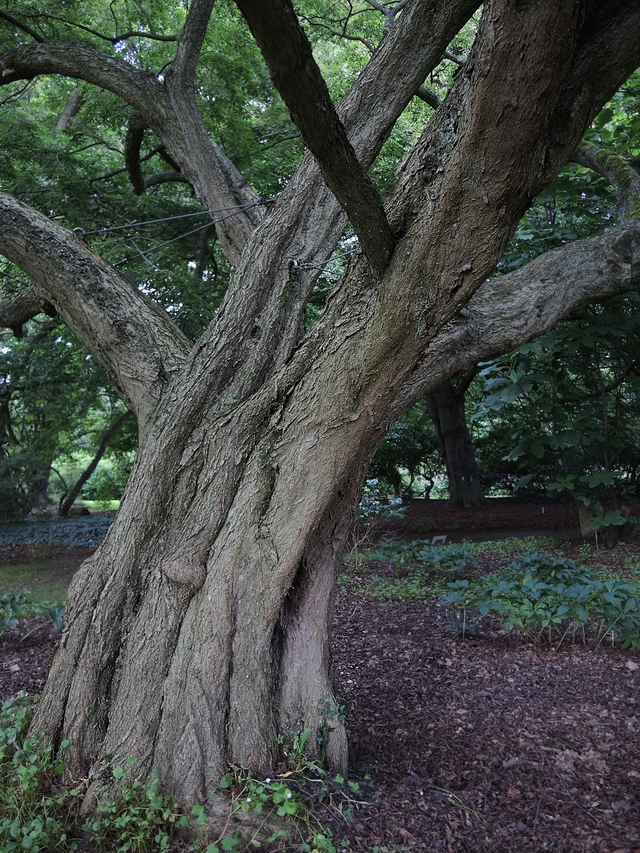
<point>201,626</point>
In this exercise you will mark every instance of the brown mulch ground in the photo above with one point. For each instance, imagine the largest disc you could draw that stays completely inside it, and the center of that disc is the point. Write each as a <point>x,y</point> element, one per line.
<point>479,745</point>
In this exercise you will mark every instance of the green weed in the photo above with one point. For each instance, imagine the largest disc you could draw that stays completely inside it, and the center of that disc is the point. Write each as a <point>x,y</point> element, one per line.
<point>15,607</point>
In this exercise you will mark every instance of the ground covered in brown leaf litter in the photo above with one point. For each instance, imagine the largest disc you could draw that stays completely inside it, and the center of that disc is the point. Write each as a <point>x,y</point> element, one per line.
<point>481,745</point>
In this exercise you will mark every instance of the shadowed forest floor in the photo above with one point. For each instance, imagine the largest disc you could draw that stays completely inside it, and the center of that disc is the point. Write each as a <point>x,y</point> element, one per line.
<point>487,744</point>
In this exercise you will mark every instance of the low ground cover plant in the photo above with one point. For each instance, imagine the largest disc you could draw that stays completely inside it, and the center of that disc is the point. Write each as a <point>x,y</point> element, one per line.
<point>38,812</point>
<point>422,568</point>
<point>542,597</point>
<point>16,608</point>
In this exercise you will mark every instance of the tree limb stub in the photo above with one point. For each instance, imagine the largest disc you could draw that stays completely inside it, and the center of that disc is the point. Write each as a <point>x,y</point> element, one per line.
<point>297,77</point>
<point>17,310</point>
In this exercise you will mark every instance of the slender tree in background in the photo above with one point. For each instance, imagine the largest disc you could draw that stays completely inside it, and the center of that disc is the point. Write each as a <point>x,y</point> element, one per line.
<point>201,626</point>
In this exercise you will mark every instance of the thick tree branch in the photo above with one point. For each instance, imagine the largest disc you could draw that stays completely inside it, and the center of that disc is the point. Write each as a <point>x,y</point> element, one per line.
<point>190,42</point>
<point>132,145</point>
<point>294,71</point>
<point>306,221</point>
<point>133,339</point>
<point>166,178</point>
<point>512,309</point>
<point>172,115</point>
<point>71,110</point>
<point>17,310</point>
<point>616,171</point>
<point>495,164</point>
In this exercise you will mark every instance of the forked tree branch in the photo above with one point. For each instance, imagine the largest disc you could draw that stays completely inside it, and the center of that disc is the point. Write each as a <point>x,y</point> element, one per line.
<point>173,117</point>
<point>295,74</point>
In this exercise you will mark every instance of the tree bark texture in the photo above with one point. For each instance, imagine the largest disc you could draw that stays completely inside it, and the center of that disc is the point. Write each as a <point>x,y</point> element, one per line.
<point>201,627</point>
<point>445,406</point>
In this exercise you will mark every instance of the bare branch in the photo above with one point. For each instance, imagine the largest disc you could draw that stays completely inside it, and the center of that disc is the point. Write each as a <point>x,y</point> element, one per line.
<point>132,143</point>
<point>623,178</point>
<point>297,77</point>
<point>166,178</point>
<point>184,66</point>
<point>343,34</point>
<point>157,149</point>
<point>459,60</point>
<point>69,500</point>
<point>111,39</point>
<point>389,10</point>
<point>21,26</point>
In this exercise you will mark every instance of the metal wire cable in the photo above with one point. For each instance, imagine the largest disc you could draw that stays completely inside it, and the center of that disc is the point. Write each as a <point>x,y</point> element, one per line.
<point>237,208</point>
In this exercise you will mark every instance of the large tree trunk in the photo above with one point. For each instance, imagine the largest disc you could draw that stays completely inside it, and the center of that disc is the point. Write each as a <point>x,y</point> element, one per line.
<point>445,405</point>
<point>201,627</point>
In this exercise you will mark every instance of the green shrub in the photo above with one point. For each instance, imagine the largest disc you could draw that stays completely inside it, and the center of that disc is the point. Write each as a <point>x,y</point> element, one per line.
<point>551,597</point>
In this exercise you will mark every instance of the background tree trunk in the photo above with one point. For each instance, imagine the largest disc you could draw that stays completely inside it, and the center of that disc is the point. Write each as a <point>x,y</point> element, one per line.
<point>445,405</point>
<point>65,505</point>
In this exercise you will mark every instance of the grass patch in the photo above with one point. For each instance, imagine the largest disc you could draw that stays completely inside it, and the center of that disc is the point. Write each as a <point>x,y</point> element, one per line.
<point>512,546</point>
<point>44,582</point>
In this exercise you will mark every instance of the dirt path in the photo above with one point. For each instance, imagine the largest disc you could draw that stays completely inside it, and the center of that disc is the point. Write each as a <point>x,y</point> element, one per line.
<point>477,746</point>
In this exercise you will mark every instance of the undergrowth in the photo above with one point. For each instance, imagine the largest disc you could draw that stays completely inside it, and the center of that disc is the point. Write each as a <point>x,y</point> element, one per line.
<point>549,598</point>
<point>15,608</point>
<point>420,565</point>
<point>537,597</point>
<point>40,812</point>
